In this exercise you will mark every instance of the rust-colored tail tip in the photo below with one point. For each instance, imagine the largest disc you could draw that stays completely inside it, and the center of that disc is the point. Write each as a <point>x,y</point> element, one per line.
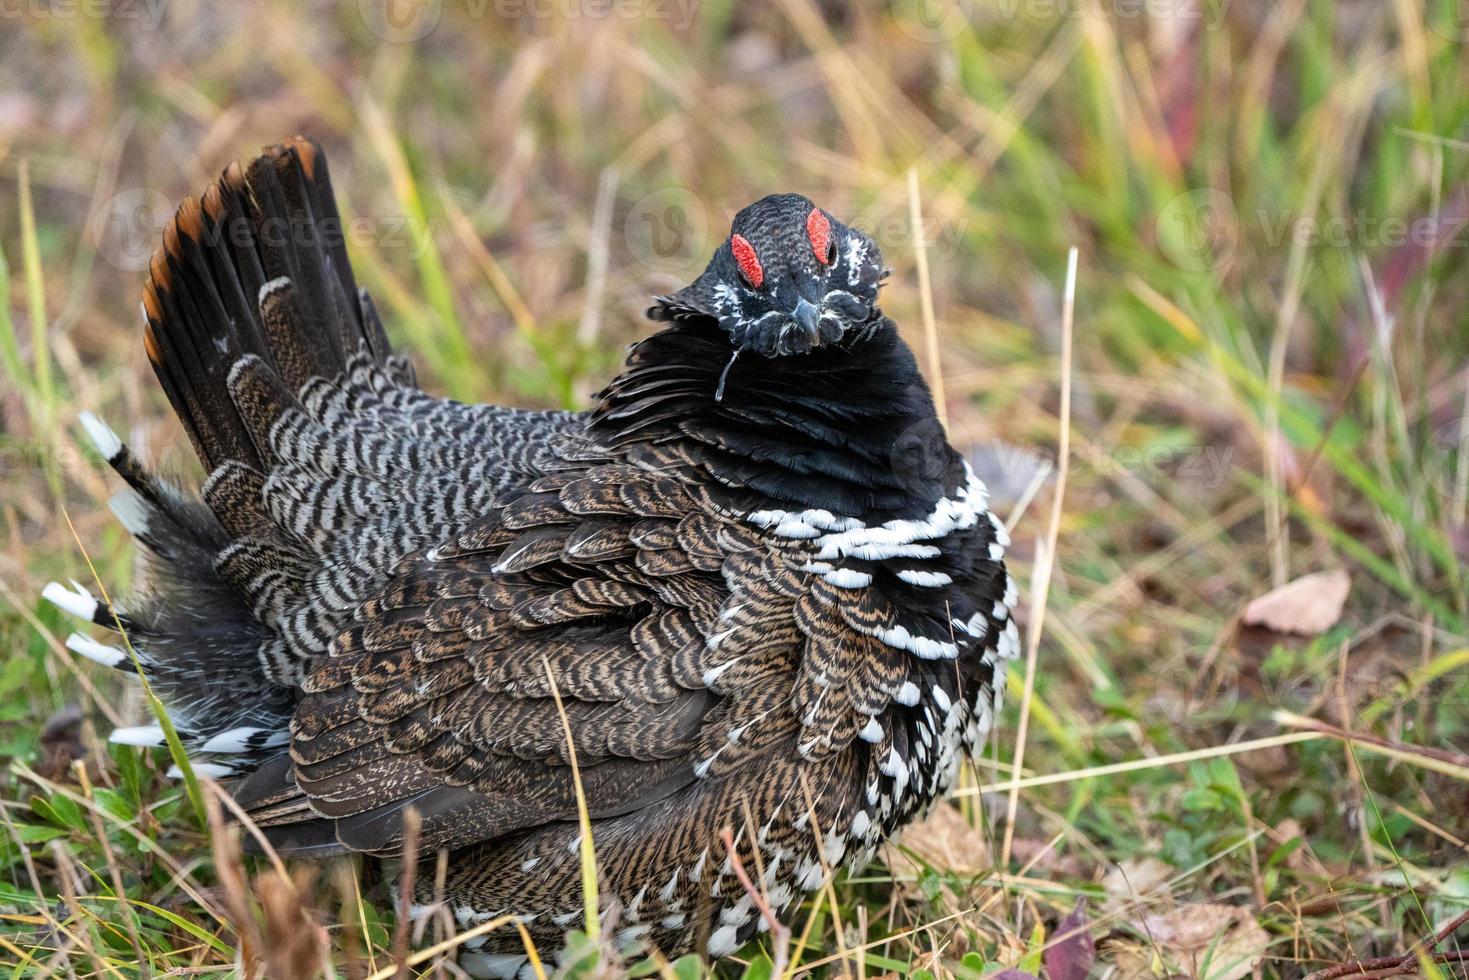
<point>233,177</point>
<point>150,342</point>
<point>213,202</point>
<point>159,275</point>
<point>189,220</point>
<point>306,151</point>
<point>152,308</point>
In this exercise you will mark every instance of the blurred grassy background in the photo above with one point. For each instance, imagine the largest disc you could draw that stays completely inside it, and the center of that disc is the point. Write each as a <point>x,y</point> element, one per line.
<point>1269,199</point>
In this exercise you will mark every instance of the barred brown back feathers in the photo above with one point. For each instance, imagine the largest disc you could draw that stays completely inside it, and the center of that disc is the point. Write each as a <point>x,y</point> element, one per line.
<point>788,600</point>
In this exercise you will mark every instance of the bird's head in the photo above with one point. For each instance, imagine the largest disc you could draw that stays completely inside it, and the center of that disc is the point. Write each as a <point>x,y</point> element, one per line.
<point>790,278</point>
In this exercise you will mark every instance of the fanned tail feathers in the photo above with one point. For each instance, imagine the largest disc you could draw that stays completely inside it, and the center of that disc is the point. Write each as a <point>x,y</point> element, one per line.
<point>326,464</point>
<point>249,299</point>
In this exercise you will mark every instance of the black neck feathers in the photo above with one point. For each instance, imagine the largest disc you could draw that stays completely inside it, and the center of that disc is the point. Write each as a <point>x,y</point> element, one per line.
<point>849,427</point>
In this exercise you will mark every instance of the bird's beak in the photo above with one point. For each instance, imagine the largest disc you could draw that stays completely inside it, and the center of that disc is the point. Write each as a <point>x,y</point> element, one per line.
<point>809,317</point>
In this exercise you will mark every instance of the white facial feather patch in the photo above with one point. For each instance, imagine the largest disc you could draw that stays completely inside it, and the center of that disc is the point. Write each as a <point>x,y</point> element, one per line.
<point>855,257</point>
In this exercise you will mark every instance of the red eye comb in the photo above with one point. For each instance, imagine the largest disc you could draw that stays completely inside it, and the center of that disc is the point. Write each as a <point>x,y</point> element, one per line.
<point>818,229</point>
<point>744,255</point>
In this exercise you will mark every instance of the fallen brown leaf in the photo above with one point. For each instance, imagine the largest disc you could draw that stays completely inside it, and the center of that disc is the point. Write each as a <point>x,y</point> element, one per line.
<point>944,841</point>
<point>1310,605</point>
<point>1211,942</point>
<point>1135,878</point>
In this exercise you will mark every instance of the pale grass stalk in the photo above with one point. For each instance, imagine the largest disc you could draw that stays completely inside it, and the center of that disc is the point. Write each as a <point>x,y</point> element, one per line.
<point>229,803</point>
<point>229,868</point>
<point>155,704</point>
<point>1277,531</point>
<point>36,305</point>
<point>489,266</point>
<point>361,908</point>
<point>590,898</point>
<point>1138,765</point>
<point>828,874</point>
<point>45,402</point>
<point>752,829</point>
<point>1434,760</point>
<point>406,878</point>
<point>443,918</point>
<point>459,939</point>
<point>1042,474</point>
<point>1461,471</point>
<point>69,882</point>
<point>1045,555</point>
<point>1389,426</point>
<point>113,871</point>
<point>1430,826</point>
<point>925,298</point>
<point>181,875</point>
<point>598,252</point>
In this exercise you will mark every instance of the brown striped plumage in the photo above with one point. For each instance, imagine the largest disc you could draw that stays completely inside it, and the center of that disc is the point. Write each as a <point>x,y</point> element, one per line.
<point>765,589</point>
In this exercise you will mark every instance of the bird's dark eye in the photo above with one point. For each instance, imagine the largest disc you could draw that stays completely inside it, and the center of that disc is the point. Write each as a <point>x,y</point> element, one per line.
<point>831,252</point>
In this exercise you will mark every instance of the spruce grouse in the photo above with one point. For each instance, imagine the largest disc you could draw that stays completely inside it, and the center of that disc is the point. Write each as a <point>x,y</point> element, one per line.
<point>768,591</point>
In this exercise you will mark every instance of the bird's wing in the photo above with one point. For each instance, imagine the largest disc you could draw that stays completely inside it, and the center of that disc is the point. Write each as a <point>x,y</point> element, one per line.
<point>683,644</point>
<point>600,585</point>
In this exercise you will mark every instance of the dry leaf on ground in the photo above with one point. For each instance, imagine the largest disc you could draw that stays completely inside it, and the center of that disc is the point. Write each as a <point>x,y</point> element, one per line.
<point>945,841</point>
<point>1310,605</point>
<point>1133,879</point>
<point>1210,942</point>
